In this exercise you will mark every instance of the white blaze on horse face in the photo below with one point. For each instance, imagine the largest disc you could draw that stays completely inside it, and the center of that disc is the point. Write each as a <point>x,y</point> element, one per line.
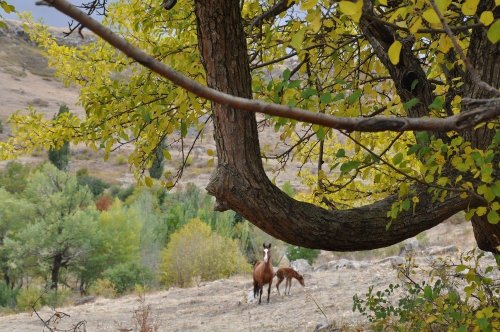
<point>266,257</point>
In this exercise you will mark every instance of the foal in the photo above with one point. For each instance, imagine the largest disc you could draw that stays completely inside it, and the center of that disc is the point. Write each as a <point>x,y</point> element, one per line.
<point>288,273</point>
<point>263,274</point>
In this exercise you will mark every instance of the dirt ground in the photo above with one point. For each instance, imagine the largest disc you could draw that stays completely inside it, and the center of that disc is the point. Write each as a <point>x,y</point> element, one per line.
<point>227,305</point>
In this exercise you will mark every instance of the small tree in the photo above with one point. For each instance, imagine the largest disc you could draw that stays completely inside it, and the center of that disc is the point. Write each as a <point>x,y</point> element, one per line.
<point>14,177</point>
<point>60,232</point>
<point>156,170</point>
<point>59,157</point>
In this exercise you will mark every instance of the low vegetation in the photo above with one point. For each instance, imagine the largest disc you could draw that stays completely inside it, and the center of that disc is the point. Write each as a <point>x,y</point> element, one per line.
<point>454,297</point>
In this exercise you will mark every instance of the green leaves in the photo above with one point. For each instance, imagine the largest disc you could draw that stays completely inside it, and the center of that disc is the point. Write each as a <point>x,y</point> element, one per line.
<point>349,166</point>
<point>494,32</point>
<point>394,51</point>
<point>6,7</point>
<point>352,9</point>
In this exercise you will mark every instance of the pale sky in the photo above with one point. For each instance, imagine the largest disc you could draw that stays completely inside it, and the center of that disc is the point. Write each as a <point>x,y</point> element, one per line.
<point>50,16</point>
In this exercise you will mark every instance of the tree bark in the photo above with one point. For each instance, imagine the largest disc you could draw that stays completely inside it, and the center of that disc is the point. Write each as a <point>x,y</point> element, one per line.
<point>240,183</point>
<point>56,268</point>
<point>484,57</point>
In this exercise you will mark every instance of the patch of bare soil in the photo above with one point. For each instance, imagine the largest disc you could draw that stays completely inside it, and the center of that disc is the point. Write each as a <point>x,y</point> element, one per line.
<point>228,305</point>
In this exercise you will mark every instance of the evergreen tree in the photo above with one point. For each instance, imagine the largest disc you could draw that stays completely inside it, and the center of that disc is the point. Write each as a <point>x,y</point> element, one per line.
<point>156,170</point>
<point>60,157</point>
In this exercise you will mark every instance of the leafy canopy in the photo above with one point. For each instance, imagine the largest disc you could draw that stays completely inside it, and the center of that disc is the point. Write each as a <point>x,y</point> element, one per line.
<point>313,56</point>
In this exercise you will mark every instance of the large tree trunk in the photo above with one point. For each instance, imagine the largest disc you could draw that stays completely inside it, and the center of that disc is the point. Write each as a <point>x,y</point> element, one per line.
<point>240,183</point>
<point>484,57</point>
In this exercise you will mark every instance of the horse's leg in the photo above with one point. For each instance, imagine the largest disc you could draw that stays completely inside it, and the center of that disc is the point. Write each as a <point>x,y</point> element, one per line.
<point>278,284</point>
<point>255,289</point>
<point>289,282</point>
<point>269,290</point>
<point>260,291</point>
<point>290,287</point>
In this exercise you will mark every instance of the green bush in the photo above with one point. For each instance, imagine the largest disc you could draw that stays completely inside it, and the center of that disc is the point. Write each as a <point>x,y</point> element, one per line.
<point>457,297</point>
<point>7,295</point>
<point>194,251</point>
<point>104,288</point>
<point>294,252</point>
<point>96,185</point>
<point>121,193</point>
<point>56,298</point>
<point>29,297</point>
<point>126,275</point>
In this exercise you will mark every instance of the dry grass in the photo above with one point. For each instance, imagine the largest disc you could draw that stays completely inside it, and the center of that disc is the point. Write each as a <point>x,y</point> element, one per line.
<point>19,53</point>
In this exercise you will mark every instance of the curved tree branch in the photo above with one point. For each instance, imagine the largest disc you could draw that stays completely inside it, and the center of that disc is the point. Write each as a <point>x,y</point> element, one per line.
<point>457,122</point>
<point>240,182</point>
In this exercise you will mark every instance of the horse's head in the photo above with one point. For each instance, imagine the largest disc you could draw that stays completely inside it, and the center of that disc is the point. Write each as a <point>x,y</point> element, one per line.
<point>301,280</point>
<point>267,252</point>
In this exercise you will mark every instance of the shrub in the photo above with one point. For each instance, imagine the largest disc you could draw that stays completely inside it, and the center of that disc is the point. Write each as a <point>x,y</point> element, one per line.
<point>29,297</point>
<point>121,160</point>
<point>96,185</point>
<point>194,251</point>
<point>56,298</point>
<point>457,297</point>
<point>104,203</point>
<point>7,295</point>
<point>294,252</point>
<point>121,193</point>
<point>104,288</point>
<point>126,275</point>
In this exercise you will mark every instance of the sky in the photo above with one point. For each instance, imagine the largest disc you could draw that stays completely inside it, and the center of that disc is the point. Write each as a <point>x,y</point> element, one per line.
<point>49,16</point>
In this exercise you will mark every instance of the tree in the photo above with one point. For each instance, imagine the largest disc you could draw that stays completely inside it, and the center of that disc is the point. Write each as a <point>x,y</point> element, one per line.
<point>59,156</point>
<point>352,61</point>
<point>156,169</point>
<point>14,177</point>
<point>61,228</point>
<point>117,241</point>
<point>14,213</point>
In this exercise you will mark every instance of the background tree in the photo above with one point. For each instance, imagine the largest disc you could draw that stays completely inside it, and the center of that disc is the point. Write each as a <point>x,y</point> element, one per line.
<point>61,228</point>
<point>15,212</point>
<point>59,156</point>
<point>350,59</point>
<point>14,177</point>
<point>156,169</point>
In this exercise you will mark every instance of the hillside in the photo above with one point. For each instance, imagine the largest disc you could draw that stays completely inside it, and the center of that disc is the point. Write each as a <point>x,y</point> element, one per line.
<point>226,305</point>
<point>26,81</point>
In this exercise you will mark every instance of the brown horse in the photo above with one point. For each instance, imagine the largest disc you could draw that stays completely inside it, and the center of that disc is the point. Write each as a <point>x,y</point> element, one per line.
<point>288,273</point>
<point>263,274</point>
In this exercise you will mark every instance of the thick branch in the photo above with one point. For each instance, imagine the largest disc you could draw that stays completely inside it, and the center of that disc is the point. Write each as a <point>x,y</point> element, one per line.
<point>278,8</point>
<point>453,123</point>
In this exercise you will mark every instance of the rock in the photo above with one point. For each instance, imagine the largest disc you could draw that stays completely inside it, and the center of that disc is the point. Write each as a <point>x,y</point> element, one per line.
<point>343,264</point>
<point>85,299</point>
<point>439,251</point>
<point>395,261</point>
<point>301,266</point>
<point>409,247</point>
<point>322,327</point>
<point>250,298</point>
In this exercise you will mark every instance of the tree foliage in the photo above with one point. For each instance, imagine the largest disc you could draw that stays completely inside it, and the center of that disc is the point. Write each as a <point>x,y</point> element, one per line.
<point>348,59</point>
<point>59,231</point>
<point>196,252</point>
<point>59,156</point>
